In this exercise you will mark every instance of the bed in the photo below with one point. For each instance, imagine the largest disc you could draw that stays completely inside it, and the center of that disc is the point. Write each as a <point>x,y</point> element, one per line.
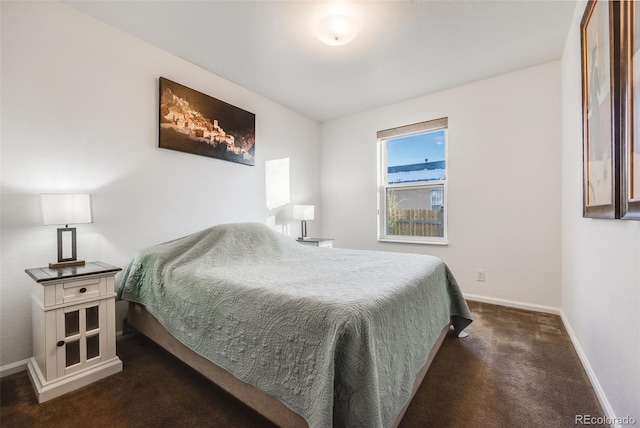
<point>307,336</point>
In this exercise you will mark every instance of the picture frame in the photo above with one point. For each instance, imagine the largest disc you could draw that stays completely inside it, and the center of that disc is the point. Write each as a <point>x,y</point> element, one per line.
<point>630,90</point>
<point>601,107</point>
<point>196,123</point>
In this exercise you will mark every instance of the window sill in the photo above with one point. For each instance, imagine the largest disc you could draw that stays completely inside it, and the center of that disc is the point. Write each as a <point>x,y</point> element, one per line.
<point>408,241</point>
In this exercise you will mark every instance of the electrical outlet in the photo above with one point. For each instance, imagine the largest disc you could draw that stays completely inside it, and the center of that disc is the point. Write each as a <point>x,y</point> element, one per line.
<point>480,275</point>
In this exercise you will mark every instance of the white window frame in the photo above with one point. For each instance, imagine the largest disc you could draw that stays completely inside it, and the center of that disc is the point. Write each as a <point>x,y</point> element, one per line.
<point>403,131</point>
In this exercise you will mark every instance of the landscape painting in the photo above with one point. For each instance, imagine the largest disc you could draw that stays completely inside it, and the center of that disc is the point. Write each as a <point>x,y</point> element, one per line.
<point>193,122</point>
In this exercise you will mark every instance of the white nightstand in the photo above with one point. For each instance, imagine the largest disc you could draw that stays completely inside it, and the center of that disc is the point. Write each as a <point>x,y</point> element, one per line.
<point>74,338</point>
<point>317,242</point>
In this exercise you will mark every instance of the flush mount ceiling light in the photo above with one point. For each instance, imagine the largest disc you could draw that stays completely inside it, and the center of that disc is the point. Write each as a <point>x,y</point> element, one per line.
<point>337,30</point>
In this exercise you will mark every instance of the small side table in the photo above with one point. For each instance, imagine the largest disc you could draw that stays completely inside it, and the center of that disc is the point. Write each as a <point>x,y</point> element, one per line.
<point>317,242</point>
<point>74,339</point>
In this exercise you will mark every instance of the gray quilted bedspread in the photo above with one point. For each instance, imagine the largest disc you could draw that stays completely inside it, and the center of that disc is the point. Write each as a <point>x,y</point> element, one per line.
<point>337,335</point>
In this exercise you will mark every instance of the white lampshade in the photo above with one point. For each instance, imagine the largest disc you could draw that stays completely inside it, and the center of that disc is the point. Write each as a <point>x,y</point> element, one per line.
<point>303,212</point>
<point>59,208</point>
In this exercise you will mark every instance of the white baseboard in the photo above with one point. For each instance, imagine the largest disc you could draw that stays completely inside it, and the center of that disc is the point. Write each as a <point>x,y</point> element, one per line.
<point>513,304</point>
<point>12,368</point>
<point>604,402</point>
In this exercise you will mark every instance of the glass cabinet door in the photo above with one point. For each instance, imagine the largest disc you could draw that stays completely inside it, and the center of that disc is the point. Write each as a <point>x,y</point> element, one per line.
<point>72,338</point>
<point>93,332</point>
<point>78,334</point>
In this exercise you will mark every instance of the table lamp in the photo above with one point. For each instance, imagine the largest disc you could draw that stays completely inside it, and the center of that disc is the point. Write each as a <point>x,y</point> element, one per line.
<point>66,209</point>
<point>303,213</point>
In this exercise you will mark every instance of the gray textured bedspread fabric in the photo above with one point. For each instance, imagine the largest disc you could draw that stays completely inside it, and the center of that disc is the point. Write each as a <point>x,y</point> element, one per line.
<point>337,335</point>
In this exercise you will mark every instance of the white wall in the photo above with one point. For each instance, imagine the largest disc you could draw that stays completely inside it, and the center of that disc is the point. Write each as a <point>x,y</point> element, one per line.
<point>79,113</point>
<point>600,262</point>
<point>503,173</point>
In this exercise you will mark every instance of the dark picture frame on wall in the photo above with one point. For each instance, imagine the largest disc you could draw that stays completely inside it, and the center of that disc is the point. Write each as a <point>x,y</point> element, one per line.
<point>630,90</point>
<point>601,109</point>
<point>196,123</point>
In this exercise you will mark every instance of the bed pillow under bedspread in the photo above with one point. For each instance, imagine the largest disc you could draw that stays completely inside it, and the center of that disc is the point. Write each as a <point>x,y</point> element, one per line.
<point>337,335</point>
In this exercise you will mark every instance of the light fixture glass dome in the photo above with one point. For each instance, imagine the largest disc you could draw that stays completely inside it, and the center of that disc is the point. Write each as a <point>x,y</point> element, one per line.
<point>337,30</point>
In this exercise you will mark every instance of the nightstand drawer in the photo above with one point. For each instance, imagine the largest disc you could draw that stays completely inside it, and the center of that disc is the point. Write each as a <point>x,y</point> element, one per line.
<point>81,290</point>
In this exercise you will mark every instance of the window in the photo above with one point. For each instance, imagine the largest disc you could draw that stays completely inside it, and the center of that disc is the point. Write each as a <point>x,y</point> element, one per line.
<point>412,185</point>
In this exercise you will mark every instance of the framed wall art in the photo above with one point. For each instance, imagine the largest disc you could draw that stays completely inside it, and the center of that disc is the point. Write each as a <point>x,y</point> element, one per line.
<point>600,109</point>
<point>193,122</point>
<point>630,62</point>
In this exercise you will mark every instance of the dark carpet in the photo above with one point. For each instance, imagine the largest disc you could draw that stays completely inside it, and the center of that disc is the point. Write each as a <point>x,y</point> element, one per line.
<point>516,369</point>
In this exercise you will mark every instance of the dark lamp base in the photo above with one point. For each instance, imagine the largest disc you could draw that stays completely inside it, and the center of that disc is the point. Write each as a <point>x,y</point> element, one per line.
<point>70,263</point>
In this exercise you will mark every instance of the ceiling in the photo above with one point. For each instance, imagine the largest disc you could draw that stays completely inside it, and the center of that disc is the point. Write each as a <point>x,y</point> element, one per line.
<point>404,49</point>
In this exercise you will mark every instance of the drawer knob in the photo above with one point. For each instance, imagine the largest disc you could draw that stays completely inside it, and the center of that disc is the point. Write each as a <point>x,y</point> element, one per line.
<point>60,343</point>
<point>83,290</point>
